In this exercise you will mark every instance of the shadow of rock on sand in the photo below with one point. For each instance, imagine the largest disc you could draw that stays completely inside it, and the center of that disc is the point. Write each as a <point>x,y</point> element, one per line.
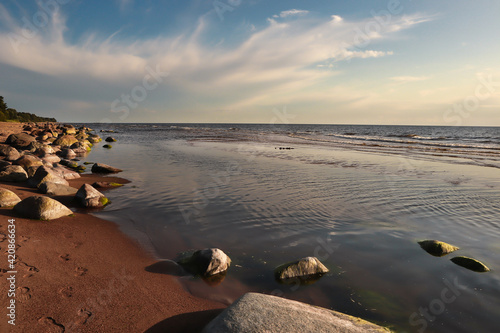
<point>187,322</point>
<point>168,267</point>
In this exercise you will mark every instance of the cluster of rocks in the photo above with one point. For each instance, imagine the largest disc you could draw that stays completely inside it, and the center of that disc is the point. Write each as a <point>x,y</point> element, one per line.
<point>45,157</point>
<point>440,249</point>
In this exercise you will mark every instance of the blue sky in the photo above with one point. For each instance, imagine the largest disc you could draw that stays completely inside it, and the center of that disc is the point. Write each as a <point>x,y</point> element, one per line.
<point>338,62</point>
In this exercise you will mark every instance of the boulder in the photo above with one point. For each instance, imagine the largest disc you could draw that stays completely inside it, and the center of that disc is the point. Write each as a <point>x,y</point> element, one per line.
<point>51,159</point>
<point>69,163</point>
<point>20,140</point>
<point>110,139</point>
<point>65,172</point>
<point>34,146</point>
<point>41,208</point>
<point>46,174</point>
<point>107,146</point>
<point>89,197</point>
<point>437,248</point>
<point>44,151</point>
<point>303,268</point>
<point>67,153</point>
<point>103,168</point>
<point>81,151</point>
<point>94,138</point>
<point>10,153</point>
<point>257,313</point>
<point>4,164</point>
<point>472,264</point>
<point>13,173</point>
<point>205,262</point>
<point>8,198</point>
<point>27,161</point>
<point>56,189</point>
<point>69,129</point>
<point>65,140</point>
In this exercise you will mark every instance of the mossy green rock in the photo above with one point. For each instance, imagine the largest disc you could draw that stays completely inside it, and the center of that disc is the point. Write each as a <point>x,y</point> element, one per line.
<point>472,264</point>
<point>89,197</point>
<point>41,208</point>
<point>107,146</point>
<point>65,140</point>
<point>304,267</point>
<point>437,248</point>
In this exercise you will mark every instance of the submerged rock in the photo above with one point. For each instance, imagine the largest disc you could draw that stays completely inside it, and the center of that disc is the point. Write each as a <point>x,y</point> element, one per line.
<point>257,313</point>
<point>437,248</point>
<point>205,262</point>
<point>110,139</point>
<point>107,146</point>
<point>105,185</point>
<point>303,268</point>
<point>41,208</point>
<point>469,263</point>
<point>8,198</point>
<point>104,168</point>
<point>89,197</point>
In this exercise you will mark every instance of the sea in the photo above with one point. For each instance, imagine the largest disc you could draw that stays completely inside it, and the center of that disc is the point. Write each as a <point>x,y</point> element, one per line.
<point>357,197</point>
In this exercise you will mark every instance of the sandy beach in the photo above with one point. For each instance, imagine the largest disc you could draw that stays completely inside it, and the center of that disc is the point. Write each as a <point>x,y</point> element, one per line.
<point>82,274</point>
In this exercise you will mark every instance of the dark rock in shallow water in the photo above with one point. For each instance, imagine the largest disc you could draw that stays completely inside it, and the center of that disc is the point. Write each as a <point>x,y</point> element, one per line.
<point>205,262</point>
<point>104,168</point>
<point>303,268</point>
<point>105,185</point>
<point>41,208</point>
<point>257,313</point>
<point>110,139</point>
<point>437,248</point>
<point>472,264</point>
<point>107,146</point>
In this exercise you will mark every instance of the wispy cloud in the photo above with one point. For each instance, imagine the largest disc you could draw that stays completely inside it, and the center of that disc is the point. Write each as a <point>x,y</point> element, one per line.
<point>291,12</point>
<point>272,65</point>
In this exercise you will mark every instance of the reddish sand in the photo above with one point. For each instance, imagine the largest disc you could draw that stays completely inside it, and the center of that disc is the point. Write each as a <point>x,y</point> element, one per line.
<point>81,274</point>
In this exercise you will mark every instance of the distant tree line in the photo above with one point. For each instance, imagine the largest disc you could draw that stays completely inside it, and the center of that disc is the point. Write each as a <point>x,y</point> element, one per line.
<point>9,114</point>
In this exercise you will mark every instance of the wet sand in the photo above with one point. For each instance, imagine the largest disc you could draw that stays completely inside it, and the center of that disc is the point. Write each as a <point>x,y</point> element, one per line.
<point>82,274</point>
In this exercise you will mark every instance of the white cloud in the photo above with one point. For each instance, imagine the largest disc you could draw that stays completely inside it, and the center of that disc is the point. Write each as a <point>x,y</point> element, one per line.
<point>275,64</point>
<point>291,12</point>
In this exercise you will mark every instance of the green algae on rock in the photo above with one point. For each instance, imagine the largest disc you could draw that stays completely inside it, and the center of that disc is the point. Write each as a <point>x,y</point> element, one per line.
<point>437,248</point>
<point>470,263</point>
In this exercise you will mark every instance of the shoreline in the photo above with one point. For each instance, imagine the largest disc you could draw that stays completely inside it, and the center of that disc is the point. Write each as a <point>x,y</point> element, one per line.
<point>83,274</point>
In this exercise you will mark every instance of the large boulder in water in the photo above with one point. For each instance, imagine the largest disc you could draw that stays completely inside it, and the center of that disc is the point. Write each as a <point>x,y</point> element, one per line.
<point>20,140</point>
<point>10,153</point>
<point>41,208</point>
<point>206,262</point>
<point>257,313</point>
<point>13,173</point>
<point>8,198</point>
<point>104,168</point>
<point>89,197</point>
<point>437,248</point>
<point>303,268</point>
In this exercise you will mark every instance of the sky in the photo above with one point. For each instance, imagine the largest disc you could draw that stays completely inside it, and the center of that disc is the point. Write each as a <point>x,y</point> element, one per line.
<point>396,62</point>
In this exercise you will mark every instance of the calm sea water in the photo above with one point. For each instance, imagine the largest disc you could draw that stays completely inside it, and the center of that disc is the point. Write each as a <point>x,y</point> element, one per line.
<point>357,197</point>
